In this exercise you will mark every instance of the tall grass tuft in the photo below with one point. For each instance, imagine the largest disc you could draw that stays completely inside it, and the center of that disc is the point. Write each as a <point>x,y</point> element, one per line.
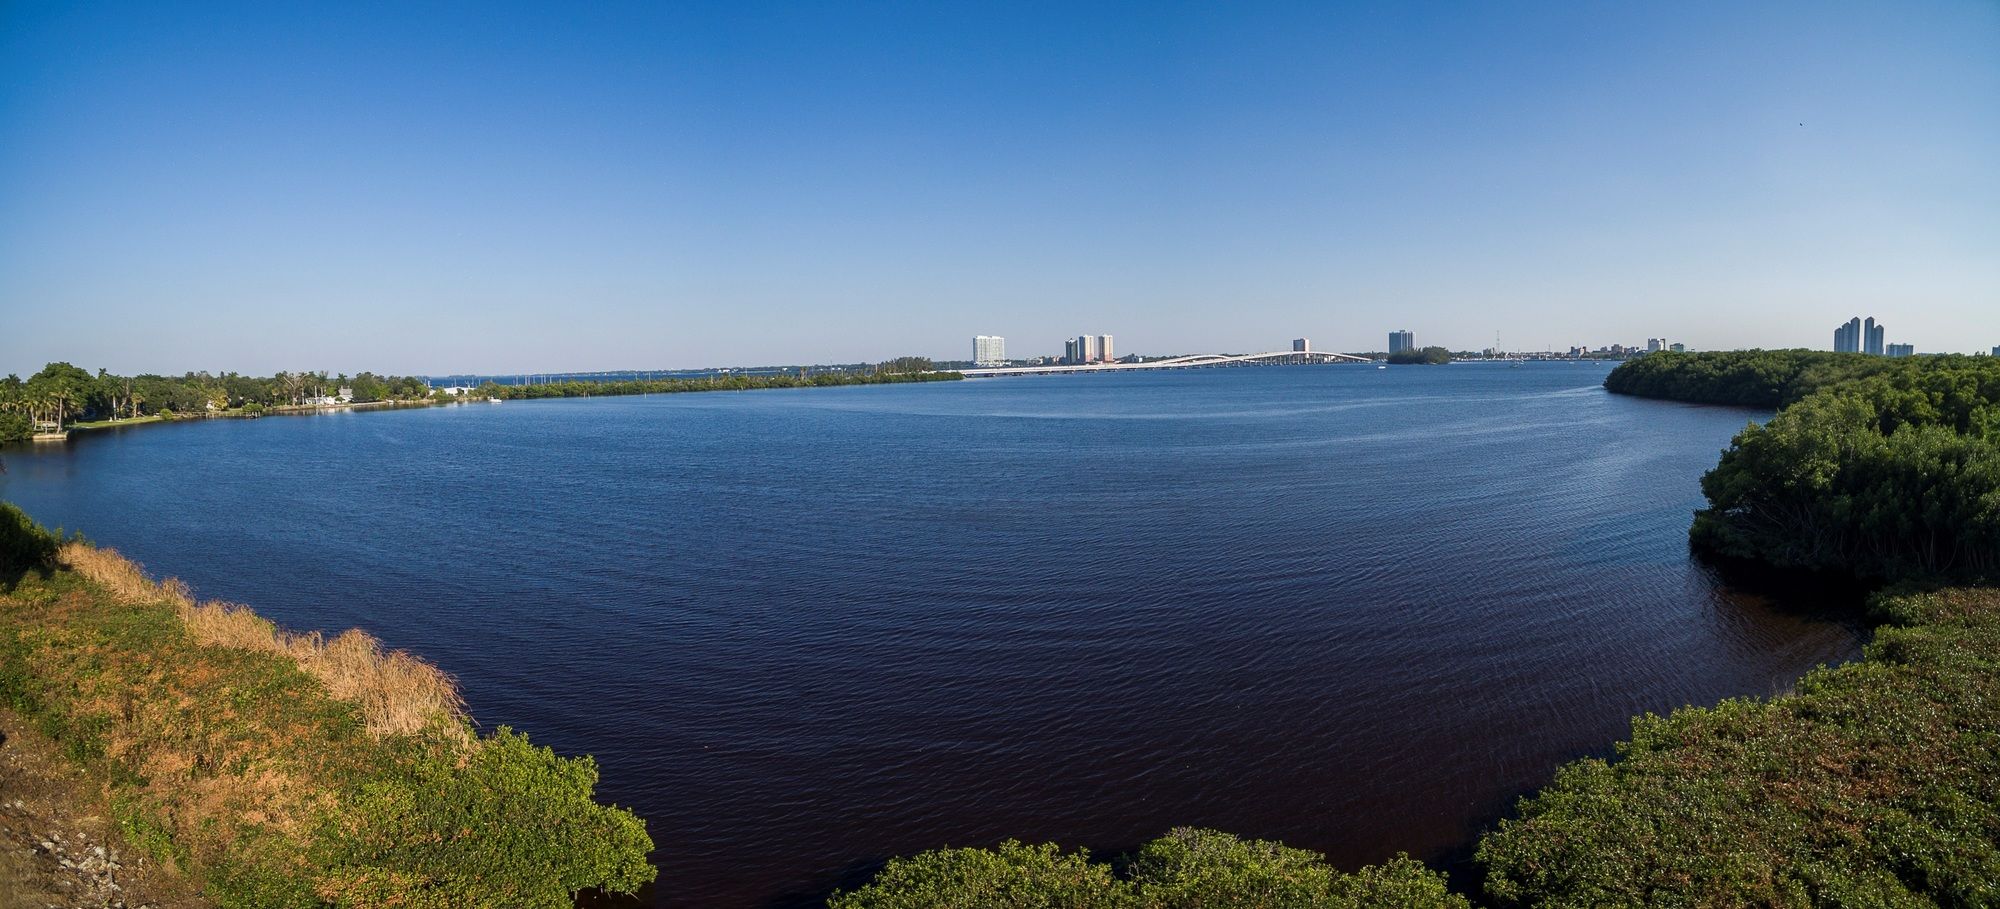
<point>397,693</point>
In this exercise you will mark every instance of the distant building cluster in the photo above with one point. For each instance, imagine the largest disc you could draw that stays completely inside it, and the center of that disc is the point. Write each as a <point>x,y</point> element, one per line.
<point>1656,345</point>
<point>1901,350</point>
<point>989,350</point>
<point>1858,336</point>
<point>343,395</point>
<point>1400,341</point>
<point>1084,349</point>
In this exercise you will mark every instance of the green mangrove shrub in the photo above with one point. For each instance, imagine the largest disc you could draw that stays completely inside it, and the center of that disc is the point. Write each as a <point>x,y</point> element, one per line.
<point>1188,868</point>
<point>1876,784</point>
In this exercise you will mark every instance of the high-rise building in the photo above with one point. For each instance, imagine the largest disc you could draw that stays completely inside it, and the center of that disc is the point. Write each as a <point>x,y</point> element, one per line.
<point>1086,349</point>
<point>1847,338</point>
<point>1070,352</point>
<point>1104,349</point>
<point>1400,341</point>
<point>1901,350</point>
<point>989,350</point>
<point>1301,345</point>
<point>1996,351</point>
<point>1678,347</point>
<point>1859,336</point>
<point>1655,345</point>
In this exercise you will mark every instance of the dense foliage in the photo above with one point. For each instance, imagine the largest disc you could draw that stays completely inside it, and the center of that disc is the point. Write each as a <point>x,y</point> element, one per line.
<point>256,776</point>
<point>729,382</point>
<point>1751,378</point>
<point>15,427</point>
<point>1186,869</point>
<point>62,393</point>
<point>24,544</point>
<point>1427,356</point>
<point>1876,784</point>
<point>1886,469</point>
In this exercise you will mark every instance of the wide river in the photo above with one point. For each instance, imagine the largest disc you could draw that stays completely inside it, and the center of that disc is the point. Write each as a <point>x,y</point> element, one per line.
<point>1360,610</point>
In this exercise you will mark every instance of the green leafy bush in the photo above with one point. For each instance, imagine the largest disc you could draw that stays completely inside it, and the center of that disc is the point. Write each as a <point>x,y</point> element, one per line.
<point>1205,869</point>
<point>514,826</point>
<point>1010,875</point>
<point>1186,869</point>
<point>15,427</point>
<point>24,544</point>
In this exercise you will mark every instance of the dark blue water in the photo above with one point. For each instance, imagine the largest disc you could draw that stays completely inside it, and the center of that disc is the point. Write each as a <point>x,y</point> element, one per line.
<point>1359,610</point>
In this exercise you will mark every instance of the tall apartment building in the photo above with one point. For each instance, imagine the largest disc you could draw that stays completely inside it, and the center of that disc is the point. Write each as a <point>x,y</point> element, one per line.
<point>1104,349</point>
<point>1860,337</point>
<point>1302,345</point>
<point>989,350</point>
<point>1901,350</point>
<point>1400,341</point>
<point>1087,349</point>
<point>1847,338</point>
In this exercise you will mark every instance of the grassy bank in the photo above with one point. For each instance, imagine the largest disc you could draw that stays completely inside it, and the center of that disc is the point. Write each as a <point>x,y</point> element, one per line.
<point>288,770</point>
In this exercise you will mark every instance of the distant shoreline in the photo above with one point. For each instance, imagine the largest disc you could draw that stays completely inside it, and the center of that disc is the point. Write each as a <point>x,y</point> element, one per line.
<point>495,393</point>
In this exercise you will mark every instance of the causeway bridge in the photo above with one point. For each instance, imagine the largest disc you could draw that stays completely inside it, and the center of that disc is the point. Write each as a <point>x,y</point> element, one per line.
<point>1191,361</point>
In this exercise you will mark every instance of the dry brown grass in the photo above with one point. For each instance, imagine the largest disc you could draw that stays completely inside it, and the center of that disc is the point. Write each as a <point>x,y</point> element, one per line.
<point>397,693</point>
<point>117,574</point>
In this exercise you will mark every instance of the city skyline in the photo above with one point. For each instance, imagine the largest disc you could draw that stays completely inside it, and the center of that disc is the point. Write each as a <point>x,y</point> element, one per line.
<point>257,187</point>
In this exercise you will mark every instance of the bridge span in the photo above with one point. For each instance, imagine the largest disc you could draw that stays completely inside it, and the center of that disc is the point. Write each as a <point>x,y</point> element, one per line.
<point>1191,361</point>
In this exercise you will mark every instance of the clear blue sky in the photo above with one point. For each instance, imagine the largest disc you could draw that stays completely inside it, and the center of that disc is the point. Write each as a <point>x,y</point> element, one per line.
<point>493,187</point>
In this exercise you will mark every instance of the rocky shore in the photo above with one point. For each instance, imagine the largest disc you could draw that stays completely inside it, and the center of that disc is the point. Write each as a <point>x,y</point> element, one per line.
<point>58,845</point>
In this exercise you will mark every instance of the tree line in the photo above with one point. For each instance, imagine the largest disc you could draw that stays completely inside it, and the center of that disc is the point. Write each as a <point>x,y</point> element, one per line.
<point>1885,469</point>
<point>1751,378</point>
<point>1421,356</point>
<point>885,374</point>
<point>62,394</point>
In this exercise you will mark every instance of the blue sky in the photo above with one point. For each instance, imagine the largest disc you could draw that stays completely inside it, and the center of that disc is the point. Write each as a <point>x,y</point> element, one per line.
<point>494,187</point>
